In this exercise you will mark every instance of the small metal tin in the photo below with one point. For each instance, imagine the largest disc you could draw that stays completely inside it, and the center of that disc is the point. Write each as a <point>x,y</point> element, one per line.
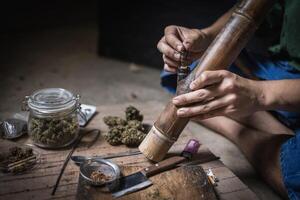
<point>105,166</point>
<point>13,128</point>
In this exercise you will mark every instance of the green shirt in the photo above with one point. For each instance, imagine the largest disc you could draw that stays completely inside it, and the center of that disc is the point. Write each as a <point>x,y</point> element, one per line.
<point>282,25</point>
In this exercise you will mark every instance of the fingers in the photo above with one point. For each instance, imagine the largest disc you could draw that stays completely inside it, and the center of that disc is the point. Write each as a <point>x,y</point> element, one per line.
<point>167,50</point>
<point>205,108</point>
<point>197,96</point>
<point>172,44</point>
<point>170,62</point>
<point>181,38</point>
<point>208,78</point>
<point>214,113</point>
<point>194,41</point>
<point>169,69</point>
<point>174,38</point>
<point>172,58</point>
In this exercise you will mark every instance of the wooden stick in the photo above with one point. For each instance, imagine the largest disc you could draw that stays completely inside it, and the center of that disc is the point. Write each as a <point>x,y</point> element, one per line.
<point>75,145</point>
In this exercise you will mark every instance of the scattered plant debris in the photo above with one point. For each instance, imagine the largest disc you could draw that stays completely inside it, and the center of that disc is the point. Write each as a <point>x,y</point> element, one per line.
<point>99,177</point>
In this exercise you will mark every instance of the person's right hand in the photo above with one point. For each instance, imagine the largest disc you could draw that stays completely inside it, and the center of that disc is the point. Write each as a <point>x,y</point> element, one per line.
<point>179,39</point>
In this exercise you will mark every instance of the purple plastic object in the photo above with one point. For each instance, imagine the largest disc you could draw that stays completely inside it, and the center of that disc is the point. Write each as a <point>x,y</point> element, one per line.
<point>192,147</point>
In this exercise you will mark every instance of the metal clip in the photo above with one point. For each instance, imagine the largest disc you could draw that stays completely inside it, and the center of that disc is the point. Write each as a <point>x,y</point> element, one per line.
<point>78,108</point>
<point>183,69</point>
<point>77,104</point>
<point>24,106</point>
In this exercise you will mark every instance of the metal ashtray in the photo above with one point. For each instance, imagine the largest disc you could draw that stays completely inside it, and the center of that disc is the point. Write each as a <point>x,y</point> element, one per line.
<point>108,169</point>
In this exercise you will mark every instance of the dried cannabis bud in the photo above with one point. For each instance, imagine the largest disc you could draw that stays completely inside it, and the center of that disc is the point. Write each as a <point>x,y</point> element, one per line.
<point>133,114</point>
<point>132,137</point>
<point>114,135</point>
<point>51,132</point>
<point>135,124</point>
<point>114,121</point>
<point>129,132</point>
<point>17,153</point>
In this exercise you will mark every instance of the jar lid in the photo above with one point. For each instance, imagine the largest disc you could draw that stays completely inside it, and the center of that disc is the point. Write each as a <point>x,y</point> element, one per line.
<point>52,100</point>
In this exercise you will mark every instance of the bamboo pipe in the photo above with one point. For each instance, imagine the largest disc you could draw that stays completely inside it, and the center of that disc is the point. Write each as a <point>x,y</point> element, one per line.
<point>222,52</point>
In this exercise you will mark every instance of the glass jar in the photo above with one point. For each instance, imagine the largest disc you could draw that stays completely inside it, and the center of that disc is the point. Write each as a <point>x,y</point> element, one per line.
<point>53,121</point>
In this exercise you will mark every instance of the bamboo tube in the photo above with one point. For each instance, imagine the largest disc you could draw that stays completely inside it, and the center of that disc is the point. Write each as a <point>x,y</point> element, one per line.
<point>246,17</point>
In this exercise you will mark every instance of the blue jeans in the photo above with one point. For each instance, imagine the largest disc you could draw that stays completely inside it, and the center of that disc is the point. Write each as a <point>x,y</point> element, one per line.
<point>267,69</point>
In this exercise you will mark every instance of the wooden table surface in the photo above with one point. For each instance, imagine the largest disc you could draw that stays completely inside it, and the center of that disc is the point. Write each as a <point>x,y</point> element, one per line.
<point>38,183</point>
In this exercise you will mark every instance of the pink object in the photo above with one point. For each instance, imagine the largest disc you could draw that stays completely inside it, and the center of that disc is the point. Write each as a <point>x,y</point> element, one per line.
<point>192,146</point>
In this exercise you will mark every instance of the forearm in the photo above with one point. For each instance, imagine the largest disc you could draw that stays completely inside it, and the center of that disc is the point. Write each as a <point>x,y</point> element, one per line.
<point>281,95</point>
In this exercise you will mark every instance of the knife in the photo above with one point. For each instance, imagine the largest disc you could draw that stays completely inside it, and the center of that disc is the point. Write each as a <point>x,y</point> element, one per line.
<point>139,180</point>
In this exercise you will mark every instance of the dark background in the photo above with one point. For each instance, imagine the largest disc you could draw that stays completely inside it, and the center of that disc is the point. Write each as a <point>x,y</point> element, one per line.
<point>128,30</point>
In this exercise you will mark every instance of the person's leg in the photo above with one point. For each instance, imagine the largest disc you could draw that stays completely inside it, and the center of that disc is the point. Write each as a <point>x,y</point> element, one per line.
<point>264,121</point>
<point>261,148</point>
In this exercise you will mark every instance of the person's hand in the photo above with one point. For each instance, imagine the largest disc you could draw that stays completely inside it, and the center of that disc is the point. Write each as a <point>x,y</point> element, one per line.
<point>220,93</point>
<point>178,39</point>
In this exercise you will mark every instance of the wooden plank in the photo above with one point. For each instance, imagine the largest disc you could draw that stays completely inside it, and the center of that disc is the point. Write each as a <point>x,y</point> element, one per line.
<point>246,194</point>
<point>231,184</point>
<point>38,183</point>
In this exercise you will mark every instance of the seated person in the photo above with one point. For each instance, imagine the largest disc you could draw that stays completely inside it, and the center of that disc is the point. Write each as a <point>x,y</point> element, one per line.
<point>260,115</point>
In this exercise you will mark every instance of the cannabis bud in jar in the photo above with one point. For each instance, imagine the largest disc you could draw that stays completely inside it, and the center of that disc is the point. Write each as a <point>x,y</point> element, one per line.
<point>130,132</point>
<point>53,132</point>
<point>53,121</point>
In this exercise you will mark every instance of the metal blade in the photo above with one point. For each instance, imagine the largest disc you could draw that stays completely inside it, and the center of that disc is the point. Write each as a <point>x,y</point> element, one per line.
<point>132,189</point>
<point>129,184</point>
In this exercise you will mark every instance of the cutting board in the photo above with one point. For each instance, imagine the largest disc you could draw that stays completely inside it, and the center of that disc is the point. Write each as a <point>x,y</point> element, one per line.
<point>187,182</point>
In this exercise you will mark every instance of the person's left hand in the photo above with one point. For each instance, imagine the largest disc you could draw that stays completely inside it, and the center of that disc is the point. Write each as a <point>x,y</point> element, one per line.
<point>220,93</point>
